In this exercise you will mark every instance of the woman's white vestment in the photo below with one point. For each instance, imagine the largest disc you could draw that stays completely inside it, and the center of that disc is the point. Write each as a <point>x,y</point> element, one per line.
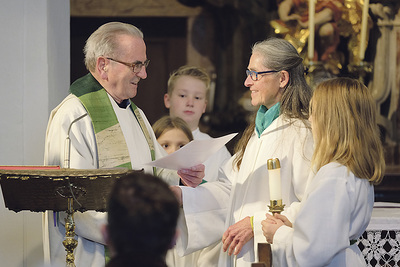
<point>83,155</point>
<point>212,207</point>
<point>336,208</point>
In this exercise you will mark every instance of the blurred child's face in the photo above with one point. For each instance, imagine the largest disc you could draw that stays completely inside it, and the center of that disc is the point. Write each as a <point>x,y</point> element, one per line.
<point>187,101</point>
<point>172,139</point>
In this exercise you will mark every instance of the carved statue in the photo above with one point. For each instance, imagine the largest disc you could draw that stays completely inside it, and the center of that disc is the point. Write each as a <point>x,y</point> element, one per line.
<point>293,24</point>
<point>385,79</point>
<point>335,21</point>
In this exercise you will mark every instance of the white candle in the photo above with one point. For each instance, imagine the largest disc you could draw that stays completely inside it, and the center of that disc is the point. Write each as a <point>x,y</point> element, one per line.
<point>311,27</point>
<point>274,171</point>
<point>364,24</point>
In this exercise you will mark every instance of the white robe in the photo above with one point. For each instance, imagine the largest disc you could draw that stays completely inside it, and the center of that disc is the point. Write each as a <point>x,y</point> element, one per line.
<point>207,257</point>
<point>83,155</point>
<point>336,208</point>
<point>212,207</point>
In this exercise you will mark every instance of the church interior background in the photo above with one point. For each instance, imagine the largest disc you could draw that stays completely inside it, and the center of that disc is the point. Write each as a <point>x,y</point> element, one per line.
<point>218,34</point>
<point>214,34</point>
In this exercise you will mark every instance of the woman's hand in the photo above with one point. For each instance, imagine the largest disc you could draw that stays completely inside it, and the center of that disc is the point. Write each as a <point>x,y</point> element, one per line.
<point>237,235</point>
<point>272,223</point>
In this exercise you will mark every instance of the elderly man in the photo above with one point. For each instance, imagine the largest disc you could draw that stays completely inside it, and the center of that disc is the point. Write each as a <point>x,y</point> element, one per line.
<point>105,130</point>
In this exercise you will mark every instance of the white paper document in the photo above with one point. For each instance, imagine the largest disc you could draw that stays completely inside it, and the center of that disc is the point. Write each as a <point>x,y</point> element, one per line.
<point>193,153</point>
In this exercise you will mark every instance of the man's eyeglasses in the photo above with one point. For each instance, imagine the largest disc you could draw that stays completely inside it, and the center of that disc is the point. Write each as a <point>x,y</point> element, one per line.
<point>135,66</point>
<point>254,74</point>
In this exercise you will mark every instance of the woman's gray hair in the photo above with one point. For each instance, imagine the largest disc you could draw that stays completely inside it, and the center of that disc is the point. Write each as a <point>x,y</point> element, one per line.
<point>103,41</point>
<point>279,54</point>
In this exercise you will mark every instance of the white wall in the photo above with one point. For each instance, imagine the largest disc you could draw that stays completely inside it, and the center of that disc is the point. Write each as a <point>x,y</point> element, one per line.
<point>34,78</point>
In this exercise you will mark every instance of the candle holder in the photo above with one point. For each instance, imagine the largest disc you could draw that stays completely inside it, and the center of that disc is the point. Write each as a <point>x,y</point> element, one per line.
<point>361,69</point>
<point>274,170</point>
<point>276,206</point>
<point>313,69</point>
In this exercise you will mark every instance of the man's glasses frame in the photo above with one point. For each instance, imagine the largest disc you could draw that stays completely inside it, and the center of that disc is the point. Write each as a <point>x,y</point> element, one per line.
<point>254,74</point>
<point>135,66</point>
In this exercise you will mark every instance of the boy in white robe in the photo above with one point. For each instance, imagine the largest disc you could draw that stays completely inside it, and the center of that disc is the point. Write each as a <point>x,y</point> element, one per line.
<point>188,91</point>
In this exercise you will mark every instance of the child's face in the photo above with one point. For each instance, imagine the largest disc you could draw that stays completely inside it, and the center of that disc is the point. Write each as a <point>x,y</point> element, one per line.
<point>188,100</point>
<point>173,139</point>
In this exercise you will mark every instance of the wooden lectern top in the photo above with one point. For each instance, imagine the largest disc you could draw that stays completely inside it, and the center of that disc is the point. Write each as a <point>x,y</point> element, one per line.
<point>40,189</point>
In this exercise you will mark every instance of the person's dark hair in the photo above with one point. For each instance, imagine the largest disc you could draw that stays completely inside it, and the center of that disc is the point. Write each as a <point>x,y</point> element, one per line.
<point>279,54</point>
<point>142,216</point>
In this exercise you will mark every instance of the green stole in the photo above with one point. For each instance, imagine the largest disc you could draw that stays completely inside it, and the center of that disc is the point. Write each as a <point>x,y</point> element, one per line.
<point>111,146</point>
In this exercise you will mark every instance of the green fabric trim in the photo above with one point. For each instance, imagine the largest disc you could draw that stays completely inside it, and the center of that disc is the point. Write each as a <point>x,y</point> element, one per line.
<point>125,165</point>
<point>111,146</point>
<point>98,106</point>
<point>107,256</point>
<point>146,134</point>
<point>84,85</point>
<point>266,116</point>
<point>96,102</point>
<point>105,123</point>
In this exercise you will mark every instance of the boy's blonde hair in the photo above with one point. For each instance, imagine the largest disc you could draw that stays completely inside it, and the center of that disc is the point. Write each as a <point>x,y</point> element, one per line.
<point>344,122</point>
<point>191,71</point>
<point>167,123</point>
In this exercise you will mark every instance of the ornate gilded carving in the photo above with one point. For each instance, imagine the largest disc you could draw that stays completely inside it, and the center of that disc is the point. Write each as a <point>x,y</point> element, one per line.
<point>137,8</point>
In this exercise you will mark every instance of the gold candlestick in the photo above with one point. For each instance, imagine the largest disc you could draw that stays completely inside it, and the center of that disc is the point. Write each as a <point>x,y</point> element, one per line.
<point>276,206</point>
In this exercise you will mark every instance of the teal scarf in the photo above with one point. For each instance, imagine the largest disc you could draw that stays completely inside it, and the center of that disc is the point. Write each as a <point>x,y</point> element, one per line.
<point>265,117</point>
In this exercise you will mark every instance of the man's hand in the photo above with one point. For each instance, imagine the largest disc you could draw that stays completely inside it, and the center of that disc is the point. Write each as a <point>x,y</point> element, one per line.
<point>237,235</point>
<point>193,176</point>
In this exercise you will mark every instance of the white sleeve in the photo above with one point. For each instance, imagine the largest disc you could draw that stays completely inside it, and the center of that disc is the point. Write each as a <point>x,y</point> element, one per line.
<point>204,213</point>
<point>321,229</point>
<point>83,154</point>
<point>88,224</point>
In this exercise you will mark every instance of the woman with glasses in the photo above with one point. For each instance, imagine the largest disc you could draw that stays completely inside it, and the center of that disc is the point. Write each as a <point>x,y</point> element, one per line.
<point>236,203</point>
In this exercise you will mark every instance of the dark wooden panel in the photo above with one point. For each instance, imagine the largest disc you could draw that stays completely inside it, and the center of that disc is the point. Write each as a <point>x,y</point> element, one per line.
<point>389,189</point>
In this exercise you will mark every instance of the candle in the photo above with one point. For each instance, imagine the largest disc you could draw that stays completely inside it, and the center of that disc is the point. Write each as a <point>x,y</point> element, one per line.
<point>364,24</point>
<point>311,27</point>
<point>274,171</point>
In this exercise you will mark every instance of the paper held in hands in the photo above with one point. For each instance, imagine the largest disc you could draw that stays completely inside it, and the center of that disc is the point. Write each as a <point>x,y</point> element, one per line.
<point>193,153</point>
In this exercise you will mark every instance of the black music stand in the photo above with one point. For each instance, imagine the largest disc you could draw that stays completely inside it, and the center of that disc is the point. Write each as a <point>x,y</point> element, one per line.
<point>68,190</point>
